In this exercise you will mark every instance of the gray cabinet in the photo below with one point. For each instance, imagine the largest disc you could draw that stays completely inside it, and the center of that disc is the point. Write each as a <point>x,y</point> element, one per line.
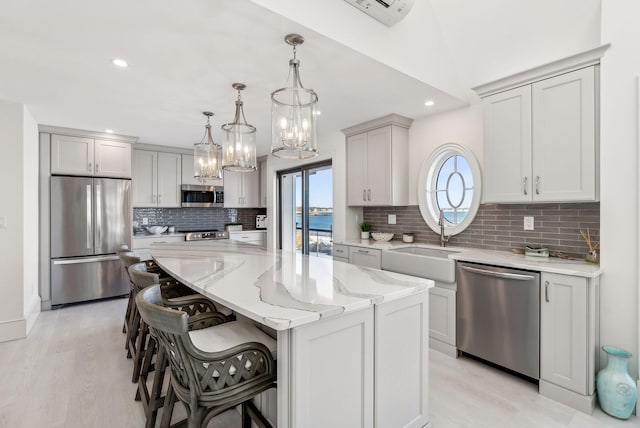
<point>377,162</point>
<point>241,189</point>
<point>367,257</point>
<point>156,179</point>
<point>568,338</point>
<point>73,155</point>
<point>540,141</point>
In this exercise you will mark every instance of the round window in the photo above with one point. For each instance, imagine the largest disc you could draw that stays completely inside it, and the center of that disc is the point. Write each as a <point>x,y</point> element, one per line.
<point>449,188</point>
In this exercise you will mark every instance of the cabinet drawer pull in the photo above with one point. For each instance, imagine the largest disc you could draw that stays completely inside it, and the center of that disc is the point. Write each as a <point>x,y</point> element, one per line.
<point>339,251</point>
<point>546,291</point>
<point>364,251</point>
<point>537,184</point>
<point>524,185</point>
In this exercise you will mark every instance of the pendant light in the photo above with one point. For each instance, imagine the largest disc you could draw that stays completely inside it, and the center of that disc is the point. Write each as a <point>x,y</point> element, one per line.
<point>207,156</point>
<point>239,146</point>
<point>294,113</point>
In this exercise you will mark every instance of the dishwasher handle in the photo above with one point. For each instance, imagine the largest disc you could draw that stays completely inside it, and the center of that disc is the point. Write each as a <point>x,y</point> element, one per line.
<point>496,274</point>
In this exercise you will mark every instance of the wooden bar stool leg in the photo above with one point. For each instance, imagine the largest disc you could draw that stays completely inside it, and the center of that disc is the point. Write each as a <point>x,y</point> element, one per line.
<point>167,409</point>
<point>140,350</point>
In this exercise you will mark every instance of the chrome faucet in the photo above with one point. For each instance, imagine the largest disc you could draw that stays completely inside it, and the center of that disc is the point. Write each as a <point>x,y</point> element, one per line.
<point>443,239</point>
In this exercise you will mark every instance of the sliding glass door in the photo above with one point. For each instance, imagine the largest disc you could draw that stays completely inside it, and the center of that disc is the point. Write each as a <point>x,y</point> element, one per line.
<point>306,209</point>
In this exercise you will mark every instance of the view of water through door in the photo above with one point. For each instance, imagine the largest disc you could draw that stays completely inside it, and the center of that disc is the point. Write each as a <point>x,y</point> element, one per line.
<point>306,201</point>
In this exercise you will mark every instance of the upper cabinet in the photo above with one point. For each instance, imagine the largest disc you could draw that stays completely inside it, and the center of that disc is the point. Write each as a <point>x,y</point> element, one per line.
<point>72,155</point>
<point>188,173</point>
<point>377,162</point>
<point>540,139</point>
<point>156,179</point>
<point>241,189</point>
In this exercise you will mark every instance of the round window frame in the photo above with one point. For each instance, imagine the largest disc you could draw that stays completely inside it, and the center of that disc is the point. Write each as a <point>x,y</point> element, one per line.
<point>427,179</point>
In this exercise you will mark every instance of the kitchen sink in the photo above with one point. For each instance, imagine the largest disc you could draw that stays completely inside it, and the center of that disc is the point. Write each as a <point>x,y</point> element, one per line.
<point>430,263</point>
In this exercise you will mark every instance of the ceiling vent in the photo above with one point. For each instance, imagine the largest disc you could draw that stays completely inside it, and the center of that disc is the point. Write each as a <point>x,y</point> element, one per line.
<point>389,12</point>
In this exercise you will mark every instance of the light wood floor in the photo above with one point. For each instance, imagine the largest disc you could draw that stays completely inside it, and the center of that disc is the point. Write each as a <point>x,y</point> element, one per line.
<point>72,372</point>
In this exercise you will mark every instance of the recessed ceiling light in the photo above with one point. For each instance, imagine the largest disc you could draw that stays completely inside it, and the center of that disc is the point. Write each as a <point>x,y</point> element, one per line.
<point>109,131</point>
<point>120,62</point>
<point>429,103</point>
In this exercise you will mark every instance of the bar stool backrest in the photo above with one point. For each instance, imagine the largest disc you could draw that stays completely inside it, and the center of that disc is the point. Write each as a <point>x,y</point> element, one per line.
<point>217,378</point>
<point>140,278</point>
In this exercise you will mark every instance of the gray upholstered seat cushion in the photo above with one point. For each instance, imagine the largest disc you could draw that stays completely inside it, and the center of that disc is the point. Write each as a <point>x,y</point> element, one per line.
<point>230,334</point>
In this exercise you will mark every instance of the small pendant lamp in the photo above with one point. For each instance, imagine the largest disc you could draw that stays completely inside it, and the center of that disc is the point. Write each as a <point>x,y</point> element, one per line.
<point>239,145</point>
<point>207,156</point>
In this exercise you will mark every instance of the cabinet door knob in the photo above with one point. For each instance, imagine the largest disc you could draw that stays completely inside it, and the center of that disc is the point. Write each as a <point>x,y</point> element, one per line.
<point>546,291</point>
<point>89,168</point>
<point>537,184</point>
<point>369,195</point>
<point>524,185</point>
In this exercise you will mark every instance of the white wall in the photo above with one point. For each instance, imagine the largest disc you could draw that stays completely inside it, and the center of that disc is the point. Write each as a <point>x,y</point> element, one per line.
<point>18,193</point>
<point>619,177</point>
<point>462,126</point>
<point>345,219</point>
<point>30,169</point>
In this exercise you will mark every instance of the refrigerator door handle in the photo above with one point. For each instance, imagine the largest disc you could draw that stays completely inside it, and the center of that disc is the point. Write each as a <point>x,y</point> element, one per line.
<point>98,218</point>
<point>89,205</point>
<point>85,260</point>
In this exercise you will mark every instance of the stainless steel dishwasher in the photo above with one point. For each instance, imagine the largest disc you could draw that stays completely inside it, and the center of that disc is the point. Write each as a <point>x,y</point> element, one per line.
<point>498,316</point>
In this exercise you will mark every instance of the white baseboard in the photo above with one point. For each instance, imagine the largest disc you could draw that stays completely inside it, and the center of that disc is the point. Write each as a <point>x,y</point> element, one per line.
<point>13,329</point>
<point>31,314</point>
<point>584,403</point>
<point>445,348</point>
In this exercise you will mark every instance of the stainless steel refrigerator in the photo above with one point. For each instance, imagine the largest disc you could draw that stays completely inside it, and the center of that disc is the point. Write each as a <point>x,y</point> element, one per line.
<point>90,218</point>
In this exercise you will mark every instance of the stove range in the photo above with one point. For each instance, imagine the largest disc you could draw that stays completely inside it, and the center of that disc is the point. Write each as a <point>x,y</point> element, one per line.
<point>204,235</point>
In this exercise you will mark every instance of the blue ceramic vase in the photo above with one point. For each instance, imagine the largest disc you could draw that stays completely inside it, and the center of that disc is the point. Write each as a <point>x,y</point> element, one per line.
<point>617,392</point>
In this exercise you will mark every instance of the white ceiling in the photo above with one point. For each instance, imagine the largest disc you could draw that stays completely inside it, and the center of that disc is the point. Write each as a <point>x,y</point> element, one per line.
<point>183,58</point>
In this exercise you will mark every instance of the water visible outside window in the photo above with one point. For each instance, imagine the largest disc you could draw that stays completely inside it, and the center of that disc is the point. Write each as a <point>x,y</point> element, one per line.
<point>319,212</point>
<point>454,189</point>
<point>307,210</point>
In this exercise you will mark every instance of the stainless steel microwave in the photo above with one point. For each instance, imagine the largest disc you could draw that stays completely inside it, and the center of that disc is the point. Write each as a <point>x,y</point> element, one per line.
<point>201,196</point>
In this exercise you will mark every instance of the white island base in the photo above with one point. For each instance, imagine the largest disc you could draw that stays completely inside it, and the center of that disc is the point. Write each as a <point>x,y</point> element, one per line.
<point>362,369</point>
<point>352,341</point>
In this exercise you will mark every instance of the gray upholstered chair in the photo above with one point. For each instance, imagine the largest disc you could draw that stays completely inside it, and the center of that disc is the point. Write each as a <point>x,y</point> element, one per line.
<point>213,369</point>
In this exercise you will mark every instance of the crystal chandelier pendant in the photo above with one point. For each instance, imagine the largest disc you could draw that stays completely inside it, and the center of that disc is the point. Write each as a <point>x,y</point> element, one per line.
<point>239,145</point>
<point>207,156</point>
<point>294,114</point>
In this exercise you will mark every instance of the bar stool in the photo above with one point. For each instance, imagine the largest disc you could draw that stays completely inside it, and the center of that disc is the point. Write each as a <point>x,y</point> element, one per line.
<point>202,313</point>
<point>212,369</point>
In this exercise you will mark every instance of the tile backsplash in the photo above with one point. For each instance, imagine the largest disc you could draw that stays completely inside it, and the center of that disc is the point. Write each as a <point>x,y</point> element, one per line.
<point>500,226</point>
<point>198,218</point>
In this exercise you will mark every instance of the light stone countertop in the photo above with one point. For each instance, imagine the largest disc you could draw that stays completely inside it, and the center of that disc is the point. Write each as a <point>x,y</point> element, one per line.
<point>496,258</point>
<point>280,289</point>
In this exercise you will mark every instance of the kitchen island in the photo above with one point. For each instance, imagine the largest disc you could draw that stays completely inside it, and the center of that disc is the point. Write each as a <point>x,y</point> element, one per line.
<point>352,341</point>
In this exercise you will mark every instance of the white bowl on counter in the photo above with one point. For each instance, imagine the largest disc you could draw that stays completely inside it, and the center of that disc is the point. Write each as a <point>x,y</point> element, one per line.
<point>382,236</point>
<point>157,230</point>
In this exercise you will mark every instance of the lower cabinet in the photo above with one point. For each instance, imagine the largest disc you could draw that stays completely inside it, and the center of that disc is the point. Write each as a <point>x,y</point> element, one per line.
<point>442,319</point>
<point>569,339</point>
<point>141,245</point>
<point>341,253</point>
<point>367,257</point>
<point>255,237</point>
<point>367,368</point>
